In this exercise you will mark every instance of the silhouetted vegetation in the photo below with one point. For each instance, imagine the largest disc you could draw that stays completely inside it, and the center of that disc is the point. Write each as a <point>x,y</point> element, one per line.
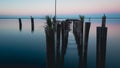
<point>82,18</point>
<point>49,22</point>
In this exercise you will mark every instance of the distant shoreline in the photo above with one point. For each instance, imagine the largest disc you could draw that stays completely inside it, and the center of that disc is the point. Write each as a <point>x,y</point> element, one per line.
<point>57,18</point>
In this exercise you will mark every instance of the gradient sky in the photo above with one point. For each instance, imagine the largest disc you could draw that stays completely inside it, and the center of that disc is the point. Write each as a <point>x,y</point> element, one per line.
<point>43,7</point>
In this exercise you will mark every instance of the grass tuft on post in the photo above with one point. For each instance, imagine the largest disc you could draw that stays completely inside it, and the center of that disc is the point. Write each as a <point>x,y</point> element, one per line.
<point>49,22</point>
<point>82,18</point>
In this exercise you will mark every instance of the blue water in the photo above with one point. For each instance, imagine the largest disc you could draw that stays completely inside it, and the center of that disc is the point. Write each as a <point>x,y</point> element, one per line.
<point>28,49</point>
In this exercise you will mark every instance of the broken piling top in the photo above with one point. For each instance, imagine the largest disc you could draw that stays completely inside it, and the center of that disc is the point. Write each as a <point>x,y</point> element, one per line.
<point>103,21</point>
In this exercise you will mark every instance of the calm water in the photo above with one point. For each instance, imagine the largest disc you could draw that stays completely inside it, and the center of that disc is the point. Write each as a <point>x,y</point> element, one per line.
<point>28,49</point>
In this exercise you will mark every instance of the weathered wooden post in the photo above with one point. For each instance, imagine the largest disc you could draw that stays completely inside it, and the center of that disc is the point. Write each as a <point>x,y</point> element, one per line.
<point>101,44</point>
<point>63,41</point>
<point>50,43</point>
<point>58,65</point>
<point>77,31</point>
<point>20,24</point>
<point>50,48</point>
<point>32,24</point>
<point>82,28</point>
<point>86,37</point>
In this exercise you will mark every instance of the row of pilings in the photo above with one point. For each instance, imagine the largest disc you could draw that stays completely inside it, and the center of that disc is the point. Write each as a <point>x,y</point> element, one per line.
<point>32,24</point>
<point>81,34</point>
<point>57,50</point>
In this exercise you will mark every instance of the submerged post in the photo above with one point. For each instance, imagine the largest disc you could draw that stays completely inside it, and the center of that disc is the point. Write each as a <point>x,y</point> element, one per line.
<point>101,44</point>
<point>20,24</point>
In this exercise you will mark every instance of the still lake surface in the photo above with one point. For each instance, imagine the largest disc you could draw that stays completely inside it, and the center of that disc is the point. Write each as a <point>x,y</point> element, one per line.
<point>28,49</point>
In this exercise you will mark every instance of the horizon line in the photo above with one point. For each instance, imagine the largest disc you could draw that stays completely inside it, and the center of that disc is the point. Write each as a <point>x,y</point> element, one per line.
<point>58,18</point>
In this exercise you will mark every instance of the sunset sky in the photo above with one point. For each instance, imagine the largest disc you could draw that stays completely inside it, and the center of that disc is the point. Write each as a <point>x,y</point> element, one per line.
<point>44,7</point>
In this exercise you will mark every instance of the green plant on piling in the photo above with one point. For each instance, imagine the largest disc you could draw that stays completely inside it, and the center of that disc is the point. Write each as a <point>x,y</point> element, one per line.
<point>82,18</point>
<point>49,22</point>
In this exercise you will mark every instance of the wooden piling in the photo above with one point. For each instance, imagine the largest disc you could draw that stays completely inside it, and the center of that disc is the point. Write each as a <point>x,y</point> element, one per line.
<point>50,48</point>
<point>58,65</point>
<point>20,24</point>
<point>101,46</point>
<point>86,37</point>
<point>32,24</point>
